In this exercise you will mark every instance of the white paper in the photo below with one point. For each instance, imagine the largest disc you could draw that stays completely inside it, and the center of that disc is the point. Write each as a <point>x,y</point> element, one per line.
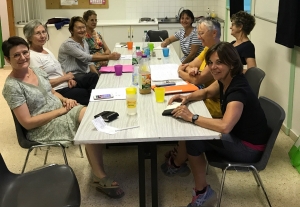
<point>126,57</point>
<point>174,105</point>
<point>101,126</point>
<point>164,72</point>
<point>159,47</point>
<point>68,2</point>
<point>180,82</point>
<point>117,93</point>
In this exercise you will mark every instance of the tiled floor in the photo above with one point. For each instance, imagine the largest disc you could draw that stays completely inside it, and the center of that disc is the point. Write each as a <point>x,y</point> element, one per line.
<point>282,182</point>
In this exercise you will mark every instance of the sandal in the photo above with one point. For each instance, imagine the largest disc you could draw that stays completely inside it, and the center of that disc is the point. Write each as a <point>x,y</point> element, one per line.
<point>105,186</point>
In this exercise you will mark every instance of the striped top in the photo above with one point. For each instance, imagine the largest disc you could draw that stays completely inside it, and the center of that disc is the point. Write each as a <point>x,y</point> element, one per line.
<point>187,42</point>
<point>73,57</point>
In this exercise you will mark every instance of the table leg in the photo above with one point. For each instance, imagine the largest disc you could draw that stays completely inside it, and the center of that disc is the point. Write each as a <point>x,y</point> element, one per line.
<point>141,162</point>
<point>154,174</point>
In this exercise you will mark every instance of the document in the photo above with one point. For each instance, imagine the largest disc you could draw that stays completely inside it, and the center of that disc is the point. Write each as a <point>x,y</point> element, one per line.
<point>126,57</point>
<point>115,94</point>
<point>68,2</point>
<point>164,72</point>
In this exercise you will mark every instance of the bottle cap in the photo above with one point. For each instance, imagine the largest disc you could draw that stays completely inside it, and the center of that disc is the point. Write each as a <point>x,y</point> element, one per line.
<point>137,48</point>
<point>144,56</point>
<point>131,90</point>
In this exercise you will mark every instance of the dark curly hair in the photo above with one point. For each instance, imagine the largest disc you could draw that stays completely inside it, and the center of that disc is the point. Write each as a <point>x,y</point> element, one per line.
<point>244,20</point>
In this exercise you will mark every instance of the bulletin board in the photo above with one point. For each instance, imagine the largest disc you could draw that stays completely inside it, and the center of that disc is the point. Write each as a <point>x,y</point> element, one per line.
<point>82,4</point>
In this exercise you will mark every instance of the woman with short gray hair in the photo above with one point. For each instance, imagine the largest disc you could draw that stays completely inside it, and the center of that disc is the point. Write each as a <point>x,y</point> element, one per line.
<point>36,34</point>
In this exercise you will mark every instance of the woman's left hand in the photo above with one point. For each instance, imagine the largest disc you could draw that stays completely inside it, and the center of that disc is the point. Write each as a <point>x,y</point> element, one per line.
<point>72,83</point>
<point>69,103</point>
<point>183,112</point>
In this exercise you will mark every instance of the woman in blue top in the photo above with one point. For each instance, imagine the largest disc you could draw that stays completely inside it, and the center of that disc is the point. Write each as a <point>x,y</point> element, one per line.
<point>190,45</point>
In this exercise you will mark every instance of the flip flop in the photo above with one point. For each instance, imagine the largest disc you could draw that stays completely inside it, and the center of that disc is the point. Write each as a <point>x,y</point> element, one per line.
<point>105,186</point>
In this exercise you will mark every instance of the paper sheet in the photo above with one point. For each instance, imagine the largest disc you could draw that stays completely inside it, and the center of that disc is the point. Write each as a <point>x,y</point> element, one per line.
<point>159,47</point>
<point>164,72</point>
<point>118,93</point>
<point>101,126</point>
<point>126,57</point>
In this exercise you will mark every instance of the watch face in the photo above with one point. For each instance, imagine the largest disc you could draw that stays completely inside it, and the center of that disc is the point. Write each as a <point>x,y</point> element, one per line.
<point>195,117</point>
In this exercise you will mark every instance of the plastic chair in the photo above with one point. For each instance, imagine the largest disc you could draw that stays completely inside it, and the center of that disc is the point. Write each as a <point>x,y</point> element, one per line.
<point>275,116</point>
<point>55,185</point>
<point>30,145</point>
<point>254,77</point>
<point>155,35</point>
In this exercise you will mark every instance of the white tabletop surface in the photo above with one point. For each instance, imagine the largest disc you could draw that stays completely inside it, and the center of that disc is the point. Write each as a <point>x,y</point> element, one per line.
<point>152,125</point>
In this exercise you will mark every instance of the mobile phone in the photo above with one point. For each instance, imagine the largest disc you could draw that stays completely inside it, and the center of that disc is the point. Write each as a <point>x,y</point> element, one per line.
<point>103,96</point>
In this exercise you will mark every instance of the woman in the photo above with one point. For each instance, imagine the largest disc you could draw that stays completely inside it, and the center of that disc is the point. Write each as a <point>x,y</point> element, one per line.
<point>197,72</point>
<point>47,115</point>
<point>189,43</point>
<point>63,83</point>
<point>74,55</point>
<point>242,24</point>
<point>95,40</point>
<point>243,126</point>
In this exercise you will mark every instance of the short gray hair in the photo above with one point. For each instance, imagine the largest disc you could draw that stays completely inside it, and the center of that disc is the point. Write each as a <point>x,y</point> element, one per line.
<point>212,24</point>
<point>28,29</point>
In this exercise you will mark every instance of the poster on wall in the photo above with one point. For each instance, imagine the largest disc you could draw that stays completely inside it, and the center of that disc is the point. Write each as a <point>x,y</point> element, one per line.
<point>103,2</point>
<point>68,2</point>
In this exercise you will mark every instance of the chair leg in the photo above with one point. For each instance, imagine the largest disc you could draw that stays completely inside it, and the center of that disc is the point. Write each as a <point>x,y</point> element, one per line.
<point>222,186</point>
<point>257,181</point>
<point>261,184</point>
<point>80,151</point>
<point>35,151</point>
<point>64,154</point>
<point>46,156</point>
<point>26,159</point>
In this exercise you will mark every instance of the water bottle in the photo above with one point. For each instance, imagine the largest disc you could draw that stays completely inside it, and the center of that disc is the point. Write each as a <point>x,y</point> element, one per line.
<point>138,53</point>
<point>135,69</point>
<point>144,76</point>
<point>145,40</point>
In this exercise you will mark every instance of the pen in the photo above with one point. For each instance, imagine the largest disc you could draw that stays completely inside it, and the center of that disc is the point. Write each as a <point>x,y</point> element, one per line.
<point>161,38</point>
<point>127,128</point>
<point>165,84</point>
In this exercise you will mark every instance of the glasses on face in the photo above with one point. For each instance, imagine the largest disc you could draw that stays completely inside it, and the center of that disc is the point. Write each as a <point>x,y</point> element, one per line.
<point>18,55</point>
<point>201,34</point>
<point>42,33</point>
<point>80,28</point>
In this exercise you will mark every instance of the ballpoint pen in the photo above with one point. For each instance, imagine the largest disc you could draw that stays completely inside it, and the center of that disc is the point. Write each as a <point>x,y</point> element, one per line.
<point>161,38</point>
<point>127,128</point>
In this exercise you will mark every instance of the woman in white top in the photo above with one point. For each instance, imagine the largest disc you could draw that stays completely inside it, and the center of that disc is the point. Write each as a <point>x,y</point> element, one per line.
<point>190,45</point>
<point>64,83</point>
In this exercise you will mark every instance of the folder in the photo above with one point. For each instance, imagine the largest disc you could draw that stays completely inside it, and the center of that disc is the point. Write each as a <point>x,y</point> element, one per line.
<point>111,69</point>
<point>179,88</point>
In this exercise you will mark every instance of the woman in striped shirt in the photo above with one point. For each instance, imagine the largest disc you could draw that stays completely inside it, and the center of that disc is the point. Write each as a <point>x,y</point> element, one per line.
<point>190,45</point>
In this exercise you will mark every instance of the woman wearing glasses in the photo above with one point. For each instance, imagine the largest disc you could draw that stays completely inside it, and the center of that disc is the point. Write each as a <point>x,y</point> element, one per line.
<point>64,83</point>
<point>47,116</point>
<point>96,42</point>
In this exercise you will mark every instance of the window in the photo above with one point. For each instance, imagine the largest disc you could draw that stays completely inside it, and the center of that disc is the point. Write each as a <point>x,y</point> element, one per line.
<point>247,5</point>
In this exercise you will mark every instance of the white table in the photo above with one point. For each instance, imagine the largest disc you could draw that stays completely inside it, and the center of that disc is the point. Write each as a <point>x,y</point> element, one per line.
<point>153,126</point>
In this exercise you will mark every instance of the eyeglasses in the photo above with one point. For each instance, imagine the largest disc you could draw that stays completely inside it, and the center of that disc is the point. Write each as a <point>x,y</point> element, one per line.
<point>39,34</point>
<point>80,28</point>
<point>17,56</point>
<point>202,33</point>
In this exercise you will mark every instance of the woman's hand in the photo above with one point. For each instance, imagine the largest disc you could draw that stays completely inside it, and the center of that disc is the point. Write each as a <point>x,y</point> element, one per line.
<point>114,56</point>
<point>164,44</point>
<point>178,98</point>
<point>182,67</point>
<point>69,76</point>
<point>69,103</point>
<point>183,112</point>
<point>72,83</point>
<point>193,71</point>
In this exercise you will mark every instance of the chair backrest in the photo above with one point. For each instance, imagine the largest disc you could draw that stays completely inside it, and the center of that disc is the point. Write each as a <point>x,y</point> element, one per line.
<point>3,169</point>
<point>154,35</point>
<point>21,134</point>
<point>254,77</point>
<point>275,116</point>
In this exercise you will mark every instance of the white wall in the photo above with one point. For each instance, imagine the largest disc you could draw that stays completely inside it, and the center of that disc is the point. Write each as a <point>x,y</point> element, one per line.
<point>133,9</point>
<point>296,109</point>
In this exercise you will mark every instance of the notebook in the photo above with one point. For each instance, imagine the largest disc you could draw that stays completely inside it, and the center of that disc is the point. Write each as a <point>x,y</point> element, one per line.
<point>179,88</point>
<point>111,69</point>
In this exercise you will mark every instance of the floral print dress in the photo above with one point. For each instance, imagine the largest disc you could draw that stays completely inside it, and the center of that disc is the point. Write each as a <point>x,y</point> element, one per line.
<point>95,43</point>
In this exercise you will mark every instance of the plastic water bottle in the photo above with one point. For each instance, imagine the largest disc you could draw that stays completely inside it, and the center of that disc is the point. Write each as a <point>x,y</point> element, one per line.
<point>135,66</point>
<point>144,76</point>
<point>145,40</point>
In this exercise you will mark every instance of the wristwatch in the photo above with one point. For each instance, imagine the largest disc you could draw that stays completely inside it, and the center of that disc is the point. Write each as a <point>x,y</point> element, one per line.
<point>194,118</point>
